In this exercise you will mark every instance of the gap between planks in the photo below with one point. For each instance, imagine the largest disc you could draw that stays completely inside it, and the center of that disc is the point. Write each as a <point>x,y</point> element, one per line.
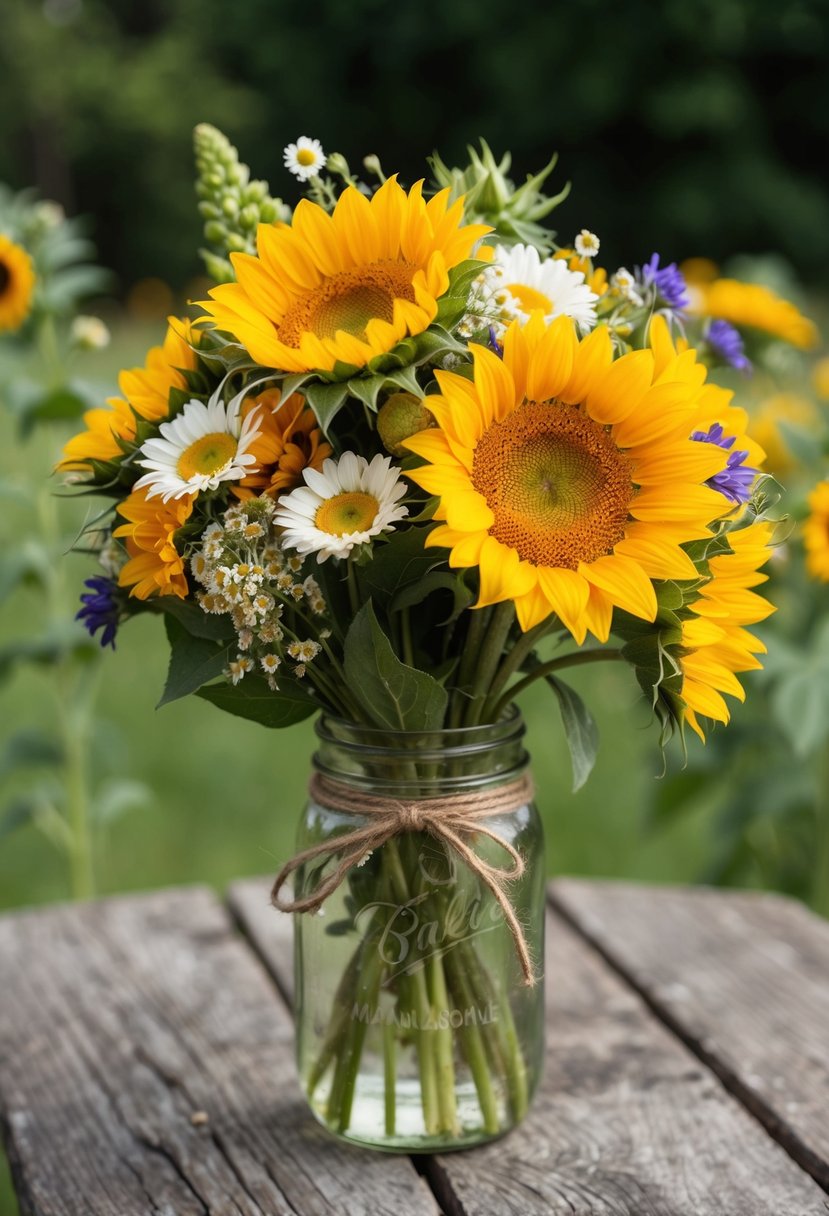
<point>564,897</point>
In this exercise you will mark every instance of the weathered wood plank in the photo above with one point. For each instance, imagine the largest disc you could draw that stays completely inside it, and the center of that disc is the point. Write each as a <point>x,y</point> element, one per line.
<point>743,978</point>
<point>146,1067</point>
<point>627,1123</point>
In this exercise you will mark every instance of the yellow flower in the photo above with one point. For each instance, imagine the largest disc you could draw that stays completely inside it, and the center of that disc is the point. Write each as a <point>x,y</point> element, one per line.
<point>596,279</point>
<point>155,566</point>
<point>816,533</point>
<point>147,393</point>
<point>715,643</point>
<point>765,426</point>
<point>17,284</point>
<point>344,287</point>
<point>820,378</point>
<point>568,478</point>
<point>289,441</point>
<point>755,306</point>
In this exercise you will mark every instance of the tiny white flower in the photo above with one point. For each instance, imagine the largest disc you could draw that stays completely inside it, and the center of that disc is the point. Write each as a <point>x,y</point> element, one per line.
<point>89,333</point>
<point>587,244</point>
<point>625,283</point>
<point>305,158</point>
<point>345,505</point>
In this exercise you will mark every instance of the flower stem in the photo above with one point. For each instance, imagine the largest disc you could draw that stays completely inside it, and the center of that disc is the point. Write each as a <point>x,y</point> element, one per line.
<point>389,1078</point>
<point>489,658</point>
<point>577,659</point>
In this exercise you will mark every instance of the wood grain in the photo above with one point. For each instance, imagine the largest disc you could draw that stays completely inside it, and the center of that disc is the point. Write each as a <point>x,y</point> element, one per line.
<point>627,1123</point>
<point>146,1067</point>
<point>743,978</point>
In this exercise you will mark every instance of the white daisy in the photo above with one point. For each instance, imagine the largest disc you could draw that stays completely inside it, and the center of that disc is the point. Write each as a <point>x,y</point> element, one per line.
<point>345,505</point>
<point>203,446</point>
<point>305,158</point>
<point>517,283</point>
<point>587,244</point>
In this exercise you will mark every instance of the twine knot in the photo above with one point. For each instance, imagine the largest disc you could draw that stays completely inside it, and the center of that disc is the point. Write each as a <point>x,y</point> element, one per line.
<point>449,819</point>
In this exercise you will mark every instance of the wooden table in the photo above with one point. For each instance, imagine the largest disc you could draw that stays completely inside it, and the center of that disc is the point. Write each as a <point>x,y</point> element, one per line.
<point>146,1066</point>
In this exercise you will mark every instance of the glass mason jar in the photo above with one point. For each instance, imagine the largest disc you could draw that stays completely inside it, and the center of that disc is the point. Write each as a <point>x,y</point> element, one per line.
<point>416,1027</point>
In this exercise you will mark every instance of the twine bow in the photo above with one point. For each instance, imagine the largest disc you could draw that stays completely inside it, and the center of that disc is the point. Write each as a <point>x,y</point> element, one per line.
<point>448,819</point>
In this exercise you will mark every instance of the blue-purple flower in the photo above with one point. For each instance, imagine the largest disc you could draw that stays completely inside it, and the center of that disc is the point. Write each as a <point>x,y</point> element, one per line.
<point>100,609</point>
<point>737,478</point>
<point>726,344</point>
<point>668,282</point>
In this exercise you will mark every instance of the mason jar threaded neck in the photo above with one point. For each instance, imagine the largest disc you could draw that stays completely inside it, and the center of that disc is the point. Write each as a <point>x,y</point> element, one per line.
<point>421,763</point>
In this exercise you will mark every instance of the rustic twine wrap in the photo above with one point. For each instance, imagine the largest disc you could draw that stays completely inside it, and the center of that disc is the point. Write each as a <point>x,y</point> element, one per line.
<point>448,819</point>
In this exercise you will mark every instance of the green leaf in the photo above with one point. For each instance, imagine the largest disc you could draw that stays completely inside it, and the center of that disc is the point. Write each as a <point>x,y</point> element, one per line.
<point>254,700</point>
<point>800,704</point>
<point>56,406</point>
<point>18,813</point>
<point>367,389</point>
<point>193,661</point>
<point>198,623</point>
<point>326,400</point>
<point>436,580</point>
<point>580,730</point>
<point>30,748</point>
<point>119,797</point>
<point>393,694</point>
<point>401,562</point>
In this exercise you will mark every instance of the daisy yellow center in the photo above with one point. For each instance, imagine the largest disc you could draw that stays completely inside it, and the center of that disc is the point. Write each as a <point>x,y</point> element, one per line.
<point>207,455</point>
<point>528,298</point>
<point>306,156</point>
<point>5,277</point>
<point>558,486</point>
<point>348,301</point>
<point>354,511</point>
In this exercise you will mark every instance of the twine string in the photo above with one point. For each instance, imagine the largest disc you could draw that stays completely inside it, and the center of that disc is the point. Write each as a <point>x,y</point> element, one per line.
<point>449,819</point>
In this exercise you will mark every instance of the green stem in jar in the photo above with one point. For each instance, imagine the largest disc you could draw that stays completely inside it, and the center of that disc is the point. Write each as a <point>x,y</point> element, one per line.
<point>443,1046</point>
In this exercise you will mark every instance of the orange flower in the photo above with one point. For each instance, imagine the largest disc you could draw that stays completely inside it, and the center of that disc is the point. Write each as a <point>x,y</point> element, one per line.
<point>147,393</point>
<point>155,567</point>
<point>289,441</point>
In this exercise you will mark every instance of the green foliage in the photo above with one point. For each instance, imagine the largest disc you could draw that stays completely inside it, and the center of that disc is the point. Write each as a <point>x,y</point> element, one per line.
<point>580,730</point>
<point>254,700</point>
<point>194,661</point>
<point>390,693</point>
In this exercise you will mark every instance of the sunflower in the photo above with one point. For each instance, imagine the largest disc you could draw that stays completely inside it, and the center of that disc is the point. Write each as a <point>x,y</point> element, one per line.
<point>570,479</point>
<point>289,441</point>
<point>155,566</point>
<point>346,287</point>
<point>715,645</point>
<point>147,393</point>
<point>756,307</point>
<point>792,410</point>
<point>17,283</point>
<point>816,533</point>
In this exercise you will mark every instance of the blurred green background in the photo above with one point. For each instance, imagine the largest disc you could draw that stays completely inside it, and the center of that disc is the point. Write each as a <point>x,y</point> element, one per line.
<point>692,127</point>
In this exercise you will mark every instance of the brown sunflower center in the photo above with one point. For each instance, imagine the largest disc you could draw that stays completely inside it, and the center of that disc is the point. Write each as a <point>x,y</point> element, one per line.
<point>348,301</point>
<point>5,277</point>
<point>557,484</point>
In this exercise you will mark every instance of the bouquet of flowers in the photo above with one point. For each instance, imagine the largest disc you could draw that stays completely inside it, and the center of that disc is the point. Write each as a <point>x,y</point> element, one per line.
<point>412,457</point>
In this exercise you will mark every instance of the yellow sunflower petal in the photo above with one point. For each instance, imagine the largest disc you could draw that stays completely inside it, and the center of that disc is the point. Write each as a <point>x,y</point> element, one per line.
<point>625,582</point>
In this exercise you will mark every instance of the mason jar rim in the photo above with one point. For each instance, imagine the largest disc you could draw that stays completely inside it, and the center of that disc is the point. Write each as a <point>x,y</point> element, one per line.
<point>461,740</point>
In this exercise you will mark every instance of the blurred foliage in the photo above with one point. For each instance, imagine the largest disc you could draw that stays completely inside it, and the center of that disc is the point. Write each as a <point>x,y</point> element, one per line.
<point>675,123</point>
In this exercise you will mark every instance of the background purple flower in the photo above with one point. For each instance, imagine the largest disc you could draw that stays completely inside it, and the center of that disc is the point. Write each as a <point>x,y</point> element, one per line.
<point>668,281</point>
<point>100,609</point>
<point>726,344</point>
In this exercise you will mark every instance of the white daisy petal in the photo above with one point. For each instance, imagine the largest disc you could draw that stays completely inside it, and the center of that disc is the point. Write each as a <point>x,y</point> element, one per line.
<point>202,447</point>
<point>518,282</point>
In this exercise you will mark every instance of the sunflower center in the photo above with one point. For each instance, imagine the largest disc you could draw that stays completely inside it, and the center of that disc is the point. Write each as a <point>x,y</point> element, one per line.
<point>5,277</point>
<point>348,301</point>
<point>346,513</point>
<point>207,455</point>
<point>557,484</point>
<point>529,299</point>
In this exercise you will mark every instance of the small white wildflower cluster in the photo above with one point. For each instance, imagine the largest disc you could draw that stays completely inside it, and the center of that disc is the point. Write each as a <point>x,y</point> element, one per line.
<point>246,575</point>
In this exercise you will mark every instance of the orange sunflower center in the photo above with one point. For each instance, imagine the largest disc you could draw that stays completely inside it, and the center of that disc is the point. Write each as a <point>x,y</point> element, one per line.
<point>558,486</point>
<point>5,277</point>
<point>348,301</point>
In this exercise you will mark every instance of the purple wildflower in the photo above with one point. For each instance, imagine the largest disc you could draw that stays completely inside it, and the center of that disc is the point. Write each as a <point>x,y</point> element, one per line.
<point>736,479</point>
<point>726,344</point>
<point>494,343</point>
<point>100,609</point>
<point>668,281</point>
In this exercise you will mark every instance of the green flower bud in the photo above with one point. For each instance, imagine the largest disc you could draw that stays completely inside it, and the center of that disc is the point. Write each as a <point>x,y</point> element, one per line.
<point>215,232</point>
<point>400,416</point>
<point>249,216</point>
<point>230,207</point>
